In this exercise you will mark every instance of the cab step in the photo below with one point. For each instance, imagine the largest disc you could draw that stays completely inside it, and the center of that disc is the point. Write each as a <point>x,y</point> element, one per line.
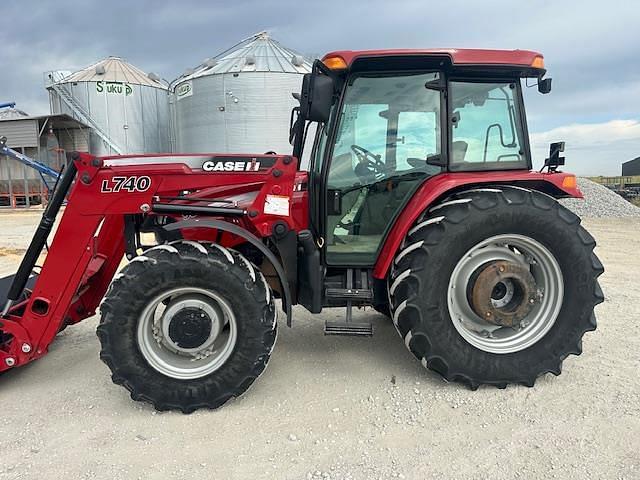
<point>349,293</point>
<point>364,329</point>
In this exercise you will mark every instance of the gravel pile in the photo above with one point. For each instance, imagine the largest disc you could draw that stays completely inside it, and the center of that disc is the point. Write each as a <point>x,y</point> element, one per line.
<point>599,201</point>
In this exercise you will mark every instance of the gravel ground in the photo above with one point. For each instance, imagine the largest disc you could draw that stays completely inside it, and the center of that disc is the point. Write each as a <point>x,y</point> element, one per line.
<point>600,202</point>
<point>339,407</point>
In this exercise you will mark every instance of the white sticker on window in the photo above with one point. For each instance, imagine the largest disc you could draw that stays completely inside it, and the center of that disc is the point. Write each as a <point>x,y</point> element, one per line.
<point>276,205</point>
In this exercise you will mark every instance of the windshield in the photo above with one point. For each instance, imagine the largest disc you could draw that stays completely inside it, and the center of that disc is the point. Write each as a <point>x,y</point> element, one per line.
<point>393,121</point>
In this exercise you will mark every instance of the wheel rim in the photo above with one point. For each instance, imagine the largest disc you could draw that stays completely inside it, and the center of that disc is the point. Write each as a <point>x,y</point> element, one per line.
<point>187,333</point>
<point>528,289</point>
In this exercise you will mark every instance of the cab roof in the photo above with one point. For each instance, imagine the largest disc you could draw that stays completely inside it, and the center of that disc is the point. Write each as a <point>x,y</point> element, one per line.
<point>527,59</point>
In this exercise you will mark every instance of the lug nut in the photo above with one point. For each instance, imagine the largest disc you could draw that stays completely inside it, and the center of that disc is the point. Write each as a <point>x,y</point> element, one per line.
<point>10,361</point>
<point>26,348</point>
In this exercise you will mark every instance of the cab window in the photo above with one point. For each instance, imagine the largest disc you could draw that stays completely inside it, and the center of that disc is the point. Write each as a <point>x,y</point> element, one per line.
<point>418,137</point>
<point>486,131</point>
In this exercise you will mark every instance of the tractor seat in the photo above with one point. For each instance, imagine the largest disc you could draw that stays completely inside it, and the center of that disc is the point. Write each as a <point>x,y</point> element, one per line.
<point>458,151</point>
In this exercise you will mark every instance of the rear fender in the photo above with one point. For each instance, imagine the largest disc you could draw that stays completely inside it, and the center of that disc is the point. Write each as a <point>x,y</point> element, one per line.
<point>221,225</point>
<point>558,185</point>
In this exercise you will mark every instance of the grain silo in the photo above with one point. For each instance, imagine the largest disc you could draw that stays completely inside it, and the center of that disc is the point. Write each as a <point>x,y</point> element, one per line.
<point>240,100</point>
<point>127,109</point>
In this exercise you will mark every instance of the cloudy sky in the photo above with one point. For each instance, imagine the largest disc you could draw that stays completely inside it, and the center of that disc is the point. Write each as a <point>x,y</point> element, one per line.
<point>591,50</point>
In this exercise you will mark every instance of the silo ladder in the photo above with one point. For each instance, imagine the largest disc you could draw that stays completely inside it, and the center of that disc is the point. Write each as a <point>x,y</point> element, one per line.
<point>85,117</point>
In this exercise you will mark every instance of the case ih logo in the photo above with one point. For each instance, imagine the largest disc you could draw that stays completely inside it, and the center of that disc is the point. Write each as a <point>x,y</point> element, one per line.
<point>231,166</point>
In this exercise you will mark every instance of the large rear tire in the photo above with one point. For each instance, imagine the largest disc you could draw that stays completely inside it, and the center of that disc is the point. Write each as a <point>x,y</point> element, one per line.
<point>187,325</point>
<point>495,286</point>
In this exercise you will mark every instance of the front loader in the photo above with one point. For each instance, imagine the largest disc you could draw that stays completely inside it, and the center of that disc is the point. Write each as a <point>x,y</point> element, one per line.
<point>419,201</point>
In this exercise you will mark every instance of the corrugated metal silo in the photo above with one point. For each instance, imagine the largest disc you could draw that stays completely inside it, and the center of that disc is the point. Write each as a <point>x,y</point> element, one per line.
<point>127,109</point>
<point>239,101</point>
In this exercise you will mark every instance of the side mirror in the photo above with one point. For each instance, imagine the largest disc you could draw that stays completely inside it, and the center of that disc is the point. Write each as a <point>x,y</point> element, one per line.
<point>544,86</point>
<point>555,160</point>
<point>316,98</point>
<point>555,149</point>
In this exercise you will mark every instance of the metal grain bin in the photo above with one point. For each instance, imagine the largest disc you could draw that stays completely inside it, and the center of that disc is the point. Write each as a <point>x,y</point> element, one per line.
<point>127,109</point>
<point>239,101</point>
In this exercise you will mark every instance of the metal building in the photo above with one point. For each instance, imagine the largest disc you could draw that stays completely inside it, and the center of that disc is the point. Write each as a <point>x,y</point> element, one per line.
<point>44,138</point>
<point>240,100</point>
<point>632,167</point>
<point>127,109</point>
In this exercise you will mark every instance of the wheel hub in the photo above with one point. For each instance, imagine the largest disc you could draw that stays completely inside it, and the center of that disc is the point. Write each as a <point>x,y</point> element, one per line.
<point>190,328</point>
<point>190,325</point>
<point>477,287</point>
<point>187,332</point>
<point>503,293</point>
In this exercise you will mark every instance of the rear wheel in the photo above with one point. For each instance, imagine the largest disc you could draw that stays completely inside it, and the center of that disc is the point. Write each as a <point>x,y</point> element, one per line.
<point>187,325</point>
<point>495,286</point>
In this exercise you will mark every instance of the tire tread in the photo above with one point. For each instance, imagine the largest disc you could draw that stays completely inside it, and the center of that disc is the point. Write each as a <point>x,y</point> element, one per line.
<point>455,210</point>
<point>166,260</point>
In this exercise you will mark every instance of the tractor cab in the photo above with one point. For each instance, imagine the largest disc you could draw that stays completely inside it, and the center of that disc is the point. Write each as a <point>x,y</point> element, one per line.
<point>390,121</point>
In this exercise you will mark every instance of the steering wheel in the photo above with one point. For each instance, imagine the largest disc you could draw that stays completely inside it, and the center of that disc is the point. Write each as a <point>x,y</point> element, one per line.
<point>369,164</point>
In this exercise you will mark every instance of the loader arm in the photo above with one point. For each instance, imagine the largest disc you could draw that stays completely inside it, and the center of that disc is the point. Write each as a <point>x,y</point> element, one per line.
<point>90,240</point>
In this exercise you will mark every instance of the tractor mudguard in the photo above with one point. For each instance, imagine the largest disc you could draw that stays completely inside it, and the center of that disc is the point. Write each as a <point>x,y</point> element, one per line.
<point>255,241</point>
<point>556,184</point>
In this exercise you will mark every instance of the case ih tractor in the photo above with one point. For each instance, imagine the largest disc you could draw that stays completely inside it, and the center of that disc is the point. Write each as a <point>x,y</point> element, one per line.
<point>419,201</point>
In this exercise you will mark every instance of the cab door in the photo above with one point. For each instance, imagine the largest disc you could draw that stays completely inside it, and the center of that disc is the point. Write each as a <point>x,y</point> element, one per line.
<point>385,144</point>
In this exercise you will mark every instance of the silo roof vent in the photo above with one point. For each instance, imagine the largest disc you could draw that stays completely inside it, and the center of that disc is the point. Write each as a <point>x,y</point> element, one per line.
<point>258,53</point>
<point>111,69</point>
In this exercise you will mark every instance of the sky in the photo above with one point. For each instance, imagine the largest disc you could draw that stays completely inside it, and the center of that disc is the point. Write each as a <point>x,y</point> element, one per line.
<point>591,50</point>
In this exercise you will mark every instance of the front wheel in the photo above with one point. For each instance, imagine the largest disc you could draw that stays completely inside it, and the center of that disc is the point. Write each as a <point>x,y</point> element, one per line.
<point>495,286</point>
<point>187,325</point>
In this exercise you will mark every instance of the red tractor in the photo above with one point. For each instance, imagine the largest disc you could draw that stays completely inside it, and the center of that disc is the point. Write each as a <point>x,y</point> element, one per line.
<point>419,201</point>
